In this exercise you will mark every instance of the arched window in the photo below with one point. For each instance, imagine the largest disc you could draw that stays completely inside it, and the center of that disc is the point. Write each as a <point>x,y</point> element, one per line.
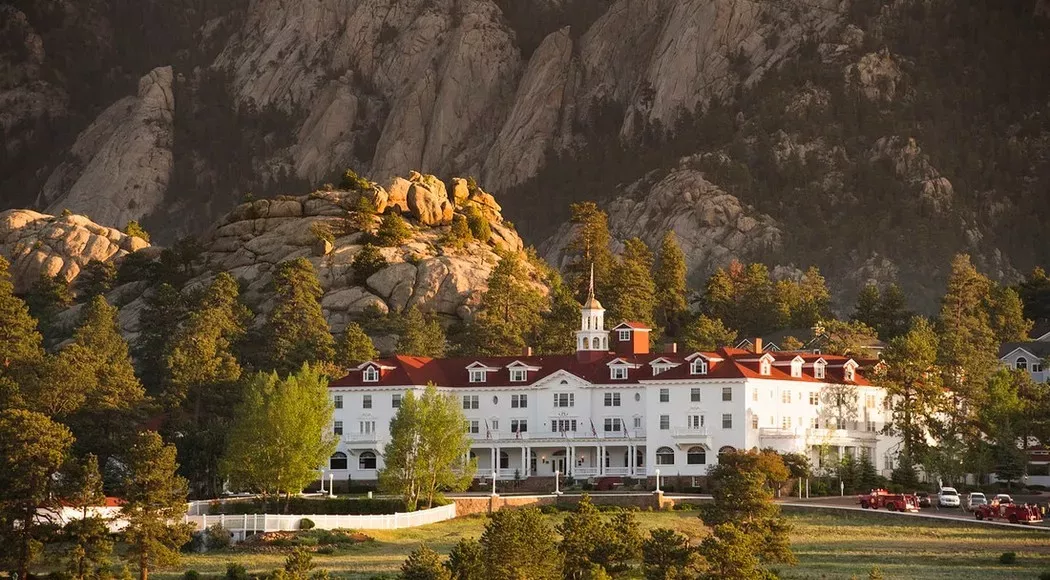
<point>699,366</point>
<point>665,456</point>
<point>1021,364</point>
<point>371,375</point>
<point>338,461</point>
<point>367,460</point>
<point>849,373</point>
<point>696,456</point>
<point>726,449</point>
<point>586,343</point>
<point>504,460</point>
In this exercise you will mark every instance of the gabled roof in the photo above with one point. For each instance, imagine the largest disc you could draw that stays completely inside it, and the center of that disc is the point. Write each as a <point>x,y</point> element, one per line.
<point>631,325</point>
<point>478,365</point>
<point>1035,348</point>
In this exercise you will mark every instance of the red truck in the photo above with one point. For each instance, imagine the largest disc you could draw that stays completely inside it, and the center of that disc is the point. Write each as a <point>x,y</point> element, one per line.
<point>1015,513</point>
<point>894,502</point>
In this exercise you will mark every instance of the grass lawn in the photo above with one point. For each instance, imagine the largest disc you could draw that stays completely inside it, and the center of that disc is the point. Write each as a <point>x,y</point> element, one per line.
<point>828,545</point>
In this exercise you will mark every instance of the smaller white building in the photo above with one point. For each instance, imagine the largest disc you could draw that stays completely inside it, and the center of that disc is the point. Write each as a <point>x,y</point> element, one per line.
<point>1027,356</point>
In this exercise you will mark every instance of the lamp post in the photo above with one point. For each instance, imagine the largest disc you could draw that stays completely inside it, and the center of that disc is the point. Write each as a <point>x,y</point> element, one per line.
<point>657,480</point>
<point>493,482</point>
<point>556,474</point>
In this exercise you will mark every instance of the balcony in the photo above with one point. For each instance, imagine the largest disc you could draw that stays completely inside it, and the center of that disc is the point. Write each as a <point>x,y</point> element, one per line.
<point>810,435</point>
<point>349,438</point>
<point>691,436</point>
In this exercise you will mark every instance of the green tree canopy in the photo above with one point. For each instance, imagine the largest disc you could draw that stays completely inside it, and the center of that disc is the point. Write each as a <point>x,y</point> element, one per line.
<point>554,335</point>
<point>164,311</point>
<point>465,560</point>
<point>296,330</point>
<point>1034,291</point>
<point>633,294</point>
<point>707,334</point>
<point>519,544</point>
<point>584,536</point>
<point>95,279</point>
<point>424,564</point>
<point>367,261</point>
<point>1006,315</point>
<point>420,335</point>
<point>354,347</point>
<point>20,343</point>
<point>589,247</point>
<point>134,229</point>
<point>48,297</point>
<point>669,280</point>
<point>509,313</point>
<point>913,383</point>
<point>393,230</point>
<point>666,555</point>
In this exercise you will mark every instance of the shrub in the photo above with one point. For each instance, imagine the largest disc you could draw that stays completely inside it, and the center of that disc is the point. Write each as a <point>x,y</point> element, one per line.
<point>479,226</point>
<point>1008,558</point>
<point>354,182</point>
<point>367,262</point>
<point>549,509</point>
<point>306,524</point>
<point>236,572</point>
<point>322,232</point>
<point>1044,576</point>
<point>134,229</point>
<point>459,234</point>
<point>218,538</point>
<point>393,231</point>
<point>191,575</point>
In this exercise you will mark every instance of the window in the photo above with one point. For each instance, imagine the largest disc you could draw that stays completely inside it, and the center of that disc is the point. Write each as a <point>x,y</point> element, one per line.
<point>694,395</point>
<point>695,421</point>
<point>495,400</point>
<point>470,401</point>
<point>665,422</point>
<point>819,369</point>
<point>665,456</point>
<point>785,396</point>
<point>519,401</point>
<point>869,401</point>
<point>754,421</point>
<point>785,422</point>
<point>727,421</point>
<point>473,427</point>
<point>814,423</point>
<point>754,395</point>
<point>796,369</point>
<point>519,425</point>
<point>727,393</point>
<point>337,461</point>
<point>477,376</point>
<point>699,366</point>
<point>624,335</point>
<point>518,375</point>
<point>870,426</point>
<point>1021,364</point>
<point>696,456</point>
<point>495,424</point>
<point>814,398</point>
<point>618,372</point>
<point>564,399</point>
<point>849,373</point>
<point>1037,367</point>
<point>665,395</point>
<point>612,399</point>
<point>371,375</point>
<point>395,400</point>
<point>637,397</point>
<point>366,461</point>
<point>563,425</point>
<point>637,422</point>
<point>338,428</point>
<point>366,427</point>
<point>613,425</point>
<point>763,368</point>
<point>338,401</point>
<point>366,402</point>
<point>504,460</point>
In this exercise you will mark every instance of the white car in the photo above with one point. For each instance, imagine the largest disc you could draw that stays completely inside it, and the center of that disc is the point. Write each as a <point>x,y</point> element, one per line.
<point>948,497</point>
<point>1002,498</point>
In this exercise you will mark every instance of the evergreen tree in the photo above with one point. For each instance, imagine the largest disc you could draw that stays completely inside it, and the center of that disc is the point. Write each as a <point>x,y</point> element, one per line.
<point>589,247</point>
<point>164,311</point>
<point>20,343</point>
<point>1006,315</point>
<point>520,545</point>
<point>90,548</point>
<point>732,554</point>
<point>154,500</point>
<point>584,536</point>
<point>719,299</point>
<point>281,433</point>
<point>424,564</point>
<point>665,555</point>
<point>894,317</point>
<point>555,332</point>
<point>624,542</point>
<point>465,560</point>
<point>48,296</point>
<point>393,231</point>
<point>354,347</point>
<point>459,234</point>
<point>848,338</point>
<point>707,334</point>
<point>757,304</point>
<point>296,330</point>
<point>420,335</point>
<point>669,279</point>
<point>633,292</point>
<point>477,224</point>
<point>1034,291</point>
<point>868,310</point>
<point>32,450</point>
<point>134,229</point>
<point>363,218</point>
<point>814,300</point>
<point>367,261</point>
<point>95,279</point>
<point>913,384</point>
<point>509,311</point>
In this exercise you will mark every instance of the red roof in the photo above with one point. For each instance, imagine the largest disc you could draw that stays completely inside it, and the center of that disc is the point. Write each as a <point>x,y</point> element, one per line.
<point>634,325</point>
<point>452,372</point>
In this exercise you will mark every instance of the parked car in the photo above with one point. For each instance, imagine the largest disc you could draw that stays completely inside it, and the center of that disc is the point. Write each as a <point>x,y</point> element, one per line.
<point>948,497</point>
<point>1002,498</point>
<point>924,499</point>
<point>975,500</point>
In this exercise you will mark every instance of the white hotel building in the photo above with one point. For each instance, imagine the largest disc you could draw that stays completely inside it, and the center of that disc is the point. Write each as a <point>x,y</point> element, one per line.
<point>615,409</point>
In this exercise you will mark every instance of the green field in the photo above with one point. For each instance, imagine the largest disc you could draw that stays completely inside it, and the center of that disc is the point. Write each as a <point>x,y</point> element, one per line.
<point>828,545</point>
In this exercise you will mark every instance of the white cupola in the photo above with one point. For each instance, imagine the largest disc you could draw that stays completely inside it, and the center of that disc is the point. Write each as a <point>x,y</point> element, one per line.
<point>592,336</point>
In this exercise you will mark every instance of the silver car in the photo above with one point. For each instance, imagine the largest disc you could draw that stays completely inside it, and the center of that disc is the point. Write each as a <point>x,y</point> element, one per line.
<point>974,500</point>
<point>948,497</point>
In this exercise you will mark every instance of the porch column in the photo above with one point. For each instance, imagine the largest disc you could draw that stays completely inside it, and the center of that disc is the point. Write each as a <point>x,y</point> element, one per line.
<point>492,461</point>
<point>601,460</point>
<point>524,461</point>
<point>630,460</point>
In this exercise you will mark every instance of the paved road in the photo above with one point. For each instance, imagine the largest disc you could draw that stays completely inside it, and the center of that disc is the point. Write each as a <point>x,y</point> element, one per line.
<point>851,503</point>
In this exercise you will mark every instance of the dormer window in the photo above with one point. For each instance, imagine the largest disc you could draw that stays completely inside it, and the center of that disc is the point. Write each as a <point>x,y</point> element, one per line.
<point>618,373</point>
<point>699,367</point>
<point>796,368</point>
<point>371,375</point>
<point>624,335</point>
<point>518,375</point>
<point>764,367</point>
<point>477,376</point>
<point>819,369</point>
<point>849,373</point>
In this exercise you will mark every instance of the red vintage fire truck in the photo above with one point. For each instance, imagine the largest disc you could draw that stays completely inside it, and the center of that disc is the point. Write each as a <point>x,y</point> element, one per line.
<point>894,502</point>
<point>1015,513</point>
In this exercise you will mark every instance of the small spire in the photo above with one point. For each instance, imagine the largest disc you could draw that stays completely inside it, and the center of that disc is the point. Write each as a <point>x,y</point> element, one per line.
<point>590,287</point>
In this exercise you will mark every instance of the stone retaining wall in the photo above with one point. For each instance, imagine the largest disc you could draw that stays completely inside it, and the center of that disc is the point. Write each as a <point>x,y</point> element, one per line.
<point>468,505</point>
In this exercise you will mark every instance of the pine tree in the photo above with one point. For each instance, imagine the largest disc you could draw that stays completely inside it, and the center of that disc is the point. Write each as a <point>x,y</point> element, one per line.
<point>814,300</point>
<point>510,310</point>
<point>1006,315</point>
<point>81,488</point>
<point>707,334</point>
<point>95,279</point>
<point>624,542</point>
<point>633,292</point>
<point>48,296</point>
<point>757,304</point>
<point>363,218</point>
<point>134,229</point>
<point>1034,291</point>
<point>669,279</point>
<point>155,498</point>
<point>420,335</point>
<point>589,247</point>
<point>665,555</point>
<point>518,545</point>
<point>424,564</point>
<point>165,309</point>
<point>32,450</point>
<point>894,316</point>
<point>913,385</point>
<point>20,343</point>
<point>367,261</point>
<point>731,553</point>
<point>478,225</point>
<point>459,233</point>
<point>868,308</point>
<point>847,338</point>
<point>719,300</point>
<point>393,231</point>
<point>555,332</point>
<point>296,331</point>
<point>354,347</point>
<point>584,535</point>
<point>465,561</point>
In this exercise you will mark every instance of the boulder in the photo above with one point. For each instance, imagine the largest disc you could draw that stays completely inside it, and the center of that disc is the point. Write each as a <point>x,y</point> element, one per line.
<point>428,207</point>
<point>397,194</point>
<point>460,191</point>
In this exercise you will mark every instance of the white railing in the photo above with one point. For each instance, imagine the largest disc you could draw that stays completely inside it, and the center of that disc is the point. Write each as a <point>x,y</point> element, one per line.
<point>617,471</point>
<point>261,523</point>
<point>689,432</point>
<point>585,472</point>
<point>361,437</point>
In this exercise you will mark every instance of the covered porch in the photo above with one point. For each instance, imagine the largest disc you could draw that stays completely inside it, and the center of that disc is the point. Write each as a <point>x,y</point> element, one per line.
<point>579,460</point>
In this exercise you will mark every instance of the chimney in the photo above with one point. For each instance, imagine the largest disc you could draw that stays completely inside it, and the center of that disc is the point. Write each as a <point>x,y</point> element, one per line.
<point>671,348</point>
<point>527,351</point>
<point>758,346</point>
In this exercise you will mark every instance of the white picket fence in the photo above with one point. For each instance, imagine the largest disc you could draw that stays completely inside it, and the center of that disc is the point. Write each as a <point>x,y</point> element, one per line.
<point>245,524</point>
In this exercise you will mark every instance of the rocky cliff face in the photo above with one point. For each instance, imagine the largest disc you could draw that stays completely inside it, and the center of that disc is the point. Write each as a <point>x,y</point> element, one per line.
<point>424,272</point>
<point>547,101</point>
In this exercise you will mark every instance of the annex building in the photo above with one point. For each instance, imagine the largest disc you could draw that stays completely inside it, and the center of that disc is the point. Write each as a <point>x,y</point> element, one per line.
<point>614,408</point>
